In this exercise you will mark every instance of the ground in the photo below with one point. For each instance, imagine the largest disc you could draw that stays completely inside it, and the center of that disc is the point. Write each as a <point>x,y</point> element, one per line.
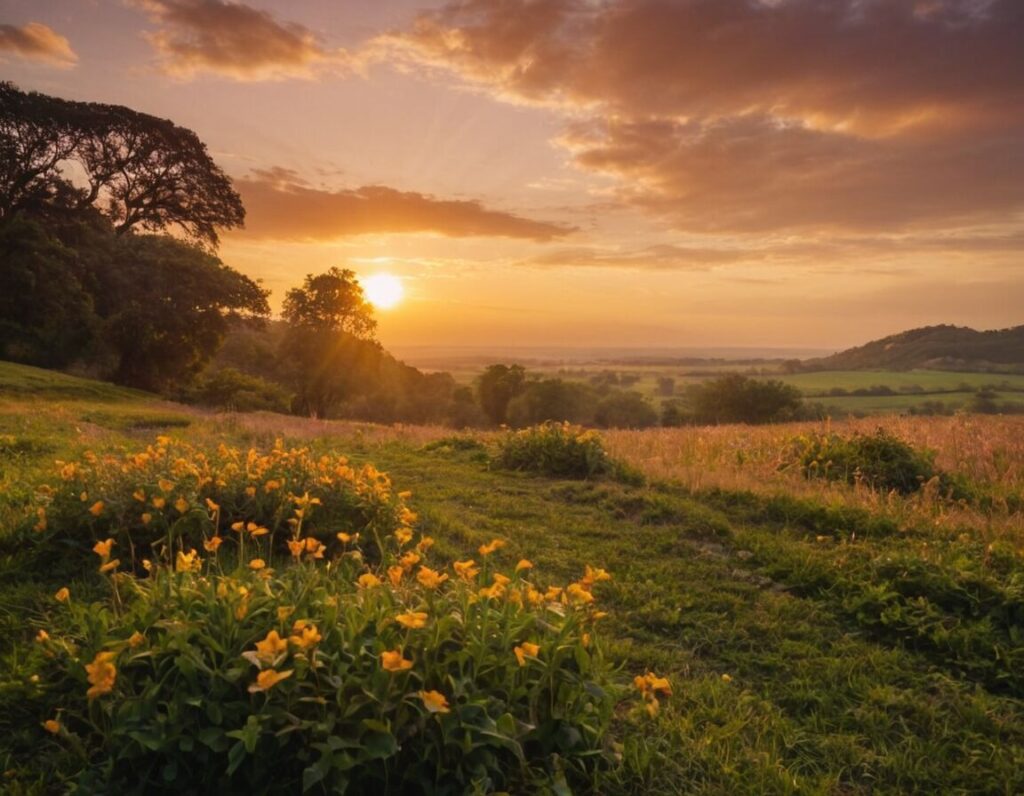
<point>813,645</point>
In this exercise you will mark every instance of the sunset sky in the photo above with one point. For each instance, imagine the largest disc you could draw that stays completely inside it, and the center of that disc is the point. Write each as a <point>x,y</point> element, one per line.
<point>808,173</point>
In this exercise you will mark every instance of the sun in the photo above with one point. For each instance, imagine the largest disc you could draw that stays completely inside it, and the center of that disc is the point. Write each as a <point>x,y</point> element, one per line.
<point>383,291</point>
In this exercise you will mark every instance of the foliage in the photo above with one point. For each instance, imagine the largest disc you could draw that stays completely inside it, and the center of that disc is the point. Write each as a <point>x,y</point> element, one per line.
<point>496,387</point>
<point>555,400</point>
<point>625,410</point>
<point>309,670</point>
<point>738,399</point>
<point>554,449</point>
<point>229,389</point>
<point>146,173</point>
<point>880,460</point>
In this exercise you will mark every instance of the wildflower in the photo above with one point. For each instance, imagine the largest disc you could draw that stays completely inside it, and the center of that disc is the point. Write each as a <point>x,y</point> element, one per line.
<point>348,538</point>
<point>501,580</point>
<point>257,564</point>
<point>102,549</point>
<point>493,592</point>
<point>147,565</point>
<point>490,547</point>
<point>271,646</point>
<point>525,649</point>
<point>63,594</point>
<point>187,562</point>
<point>578,594</point>
<point>430,578</point>
<point>425,544</point>
<point>267,679</point>
<point>40,526</point>
<point>136,639</point>
<point>585,640</point>
<point>368,581</point>
<point>271,485</point>
<point>212,544</point>
<point>96,509</point>
<point>413,620</point>
<point>42,636</point>
<point>467,570</point>
<point>395,575</point>
<point>409,560</point>
<point>726,678</point>
<point>524,563</point>
<point>434,701</point>
<point>181,505</point>
<point>146,518</point>
<point>315,547</point>
<point>51,726</point>
<point>284,611</point>
<point>101,674</point>
<point>307,637</point>
<point>212,506</point>
<point>165,485</point>
<point>553,593</point>
<point>238,526</point>
<point>296,546</point>
<point>650,685</point>
<point>404,536</point>
<point>159,502</point>
<point>592,576</point>
<point>256,530</point>
<point>110,565</point>
<point>533,596</point>
<point>392,661</point>
<point>139,495</point>
<point>250,491</point>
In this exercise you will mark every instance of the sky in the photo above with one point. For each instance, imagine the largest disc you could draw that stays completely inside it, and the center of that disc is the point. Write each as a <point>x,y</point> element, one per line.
<point>808,173</point>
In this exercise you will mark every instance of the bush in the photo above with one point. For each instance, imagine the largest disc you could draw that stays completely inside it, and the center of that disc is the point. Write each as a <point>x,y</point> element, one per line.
<point>555,449</point>
<point>240,669</point>
<point>174,495</point>
<point>880,460</point>
<point>737,399</point>
<point>232,390</point>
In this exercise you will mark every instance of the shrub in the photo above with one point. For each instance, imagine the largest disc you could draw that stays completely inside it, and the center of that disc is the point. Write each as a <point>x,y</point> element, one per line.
<point>174,495</point>
<point>738,399</point>
<point>232,390</point>
<point>880,460</point>
<point>211,673</point>
<point>555,449</point>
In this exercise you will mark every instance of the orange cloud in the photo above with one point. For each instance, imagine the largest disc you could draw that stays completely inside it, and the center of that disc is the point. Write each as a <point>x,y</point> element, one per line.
<point>37,42</point>
<point>749,116</point>
<point>234,40</point>
<point>281,206</point>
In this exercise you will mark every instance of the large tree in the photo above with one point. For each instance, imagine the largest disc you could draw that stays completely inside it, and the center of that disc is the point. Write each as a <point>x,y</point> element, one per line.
<point>143,172</point>
<point>496,387</point>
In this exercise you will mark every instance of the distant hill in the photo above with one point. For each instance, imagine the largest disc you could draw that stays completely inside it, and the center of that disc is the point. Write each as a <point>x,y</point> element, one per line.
<point>934,347</point>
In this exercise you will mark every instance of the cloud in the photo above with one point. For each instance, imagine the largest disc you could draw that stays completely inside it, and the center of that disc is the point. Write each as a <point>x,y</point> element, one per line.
<point>663,257</point>
<point>37,42</point>
<point>233,40</point>
<point>754,115</point>
<point>281,206</point>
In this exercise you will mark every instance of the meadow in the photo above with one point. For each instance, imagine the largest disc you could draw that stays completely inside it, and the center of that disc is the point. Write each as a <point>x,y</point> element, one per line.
<point>817,636</point>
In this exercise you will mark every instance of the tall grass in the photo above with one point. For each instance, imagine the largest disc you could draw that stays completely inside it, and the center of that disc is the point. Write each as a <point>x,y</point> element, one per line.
<point>987,451</point>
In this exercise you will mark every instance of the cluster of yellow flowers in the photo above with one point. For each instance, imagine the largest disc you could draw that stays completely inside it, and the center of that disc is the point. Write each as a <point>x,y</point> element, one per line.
<point>650,686</point>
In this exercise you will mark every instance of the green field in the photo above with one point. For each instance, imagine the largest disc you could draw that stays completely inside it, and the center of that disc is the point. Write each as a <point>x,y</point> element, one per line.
<point>810,650</point>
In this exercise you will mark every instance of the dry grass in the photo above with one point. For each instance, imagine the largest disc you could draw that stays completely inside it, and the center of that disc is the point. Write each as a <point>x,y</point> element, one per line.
<point>988,450</point>
<point>269,424</point>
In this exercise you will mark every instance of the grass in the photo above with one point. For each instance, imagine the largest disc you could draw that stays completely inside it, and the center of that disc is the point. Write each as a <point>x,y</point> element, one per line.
<point>818,639</point>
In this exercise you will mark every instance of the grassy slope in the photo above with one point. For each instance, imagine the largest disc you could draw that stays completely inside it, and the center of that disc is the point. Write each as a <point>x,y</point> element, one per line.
<point>818,702</point>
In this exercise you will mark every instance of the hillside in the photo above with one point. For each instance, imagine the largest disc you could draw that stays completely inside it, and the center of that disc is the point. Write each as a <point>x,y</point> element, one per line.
<point>944,347</point>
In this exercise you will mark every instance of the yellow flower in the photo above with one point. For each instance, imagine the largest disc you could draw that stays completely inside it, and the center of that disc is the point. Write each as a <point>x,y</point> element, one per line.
<point>187,562</point>
<point>726,678</point>
<point>96,509</point>
<point>147,565</point>
<point>41,525</point>
<point>159,502</point>
<point>110,565</point>
<point>434,701</point>
<point>296,546</point>
<point>257,564</point>
<point>139,495</point>
<point>395,575</point>
<point>409,560</point>
<point>308,637</point>
<point>101,674</point>
<point>51,726</point>
<point>146,518</point>
<point>136,639</point>
<point>467,570</point>
<point>592,576</point>
<point>284,611</point>
<point>412,620</point>
<point>404,536</point>
<point>315,547</point>
<point>368,581</point>
<point>63,594</point>
<point>533,596</point>
<point>493,592</point>
<point>430,578</point>
<point>585,640</point>
<point>256,530</point>
<point>578,594</point>
<point>212,506</point>
<point>165,485</point>
<point>102,549</point>
<point>181,505</point>
<point>392,661</point>
<point>348,538</point>
<point>425,544</point>
<point>650,683</point>
<point>490,547</point>
<point>271,646</point>
<point>212,544</point>
<point>271,485</point>
<point>238,526</point>
<point>524,563</point>
<point>42,636</point>
<point>267,679</point>
<point>250,491</point>
<point>525,649</point>
<point>553,593</point>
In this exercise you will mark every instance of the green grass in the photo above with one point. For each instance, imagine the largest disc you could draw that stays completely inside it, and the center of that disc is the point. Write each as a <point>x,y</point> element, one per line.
<point>862,658</point>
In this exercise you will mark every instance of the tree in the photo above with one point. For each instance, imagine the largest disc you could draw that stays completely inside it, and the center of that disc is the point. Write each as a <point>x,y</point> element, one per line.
<point>328,342</point>
<point>551,399</point>
<point>625,410</point>
<point>146,173</point>
<point>170,305</point>
<point>498,385</point>
<point>738,399</point>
